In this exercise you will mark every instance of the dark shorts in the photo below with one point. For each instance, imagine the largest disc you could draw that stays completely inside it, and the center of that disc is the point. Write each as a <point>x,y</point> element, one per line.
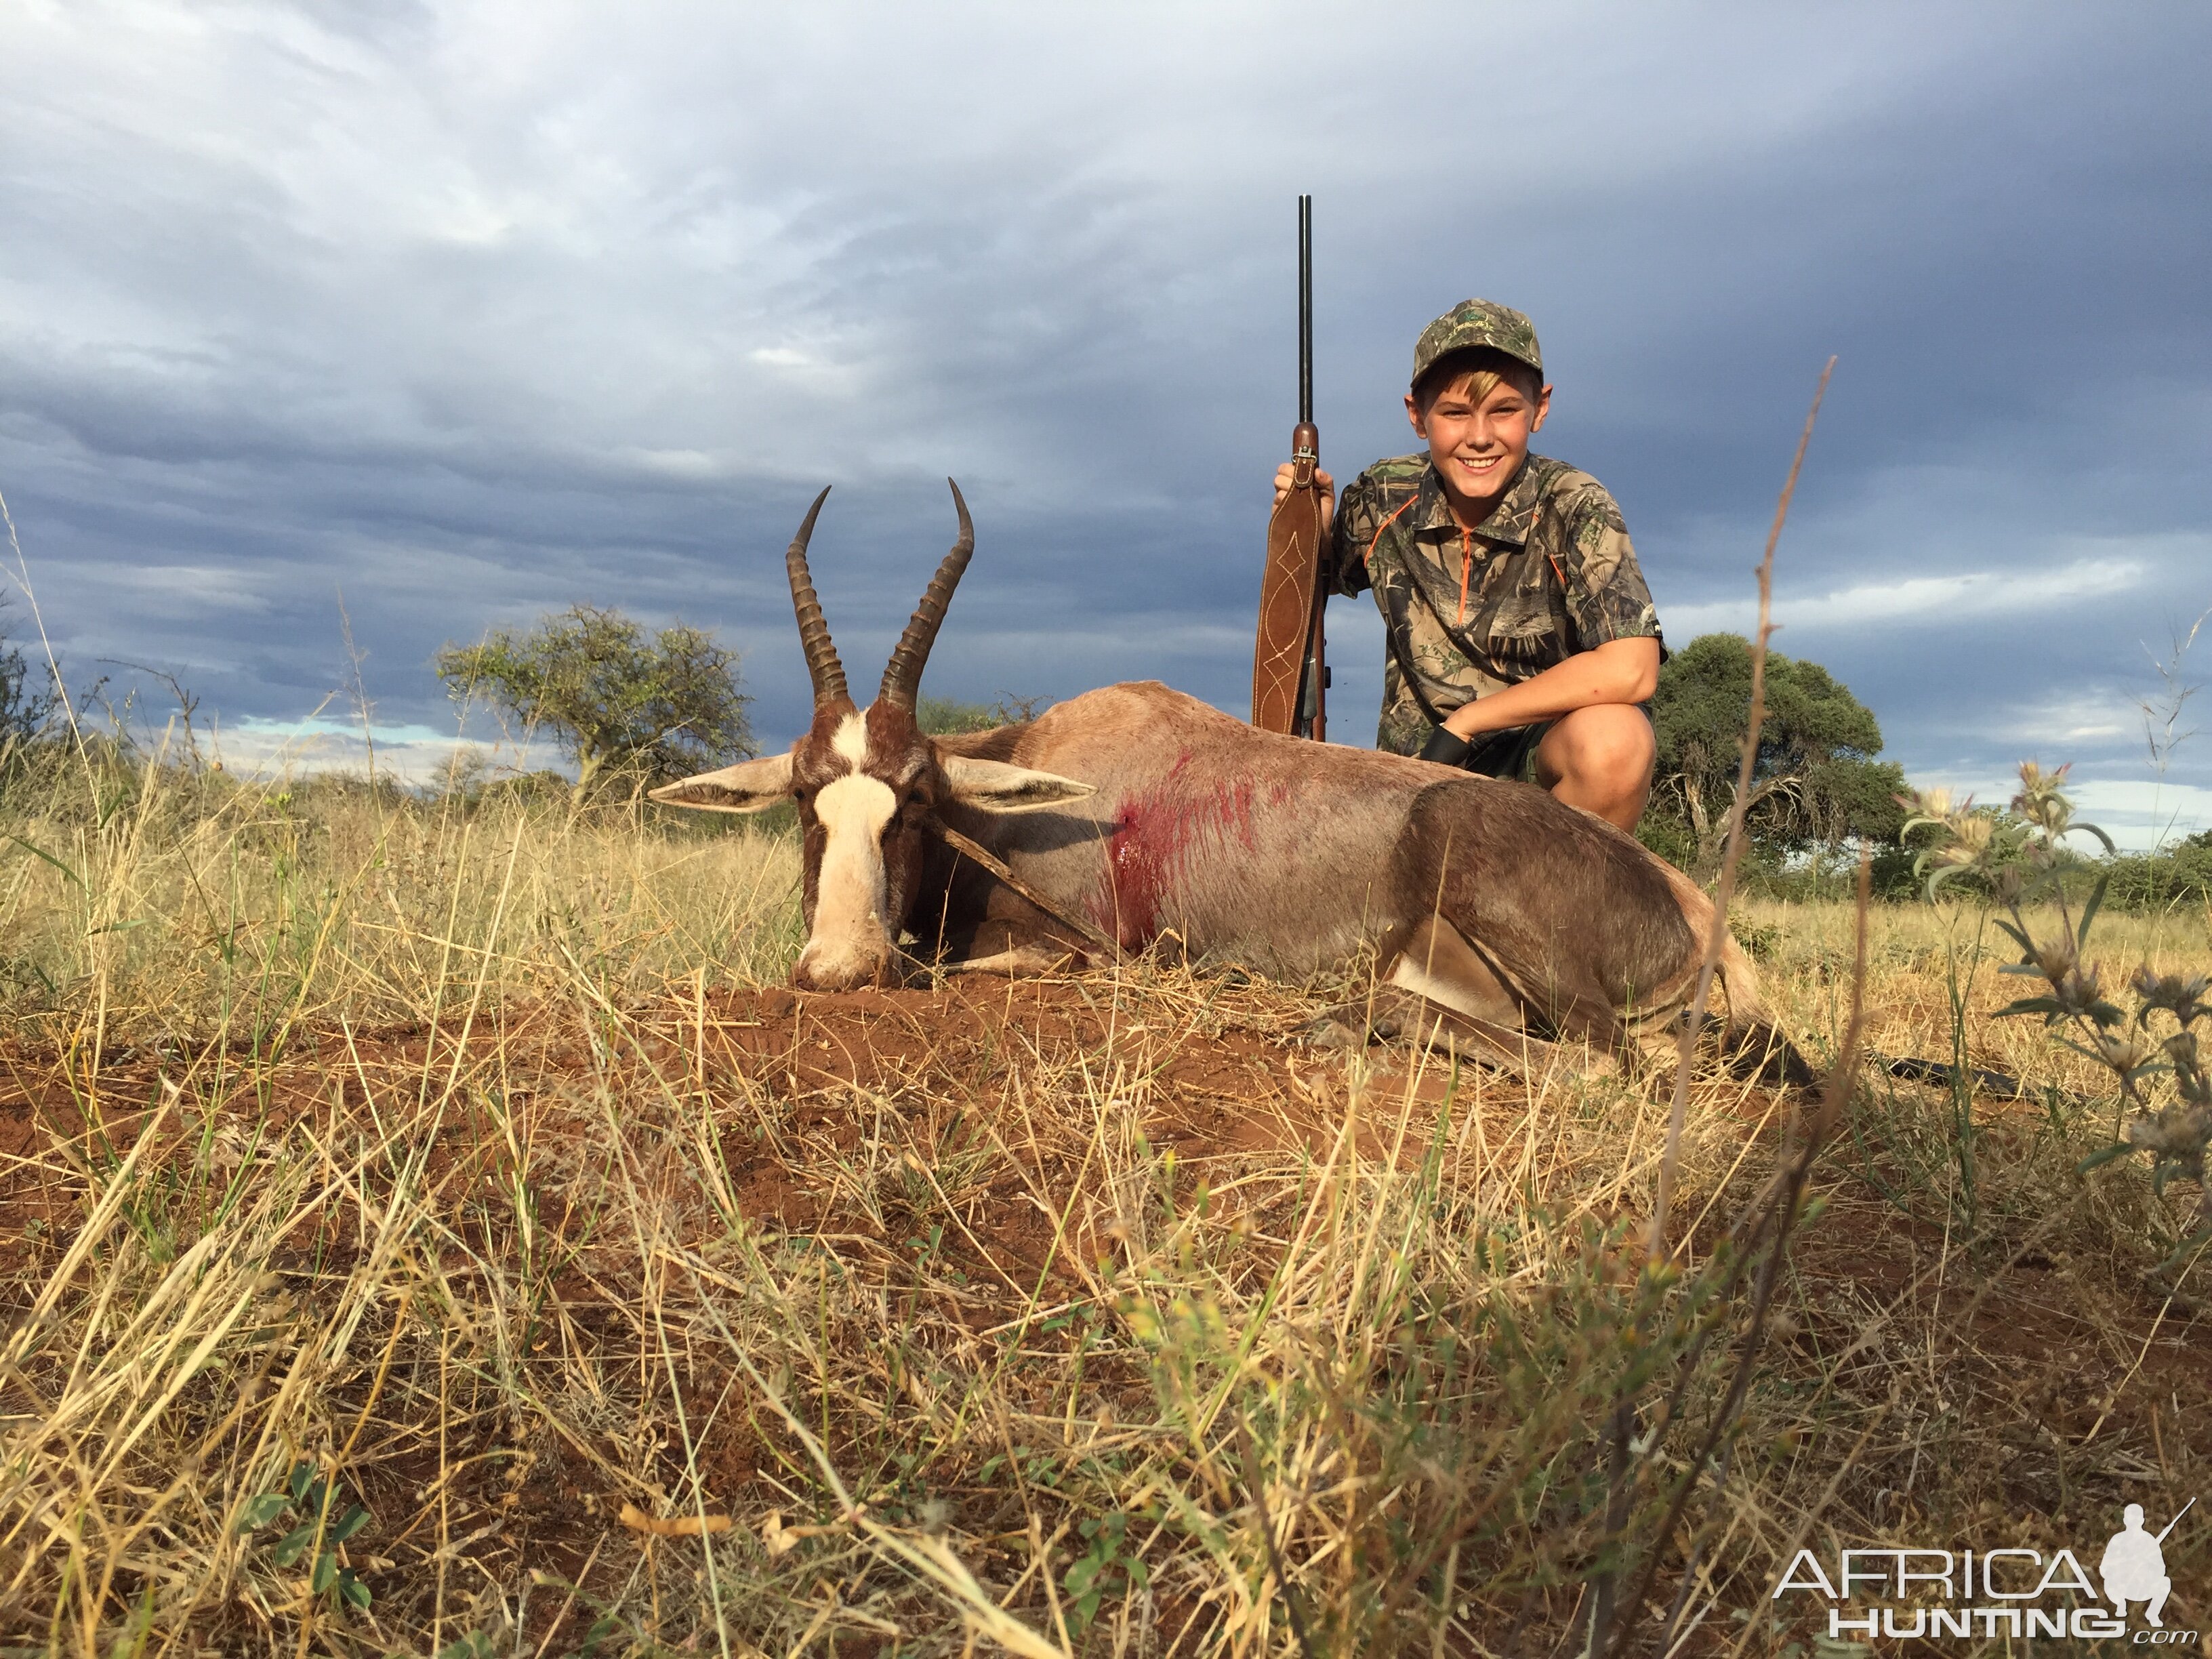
<point>1512,753</point>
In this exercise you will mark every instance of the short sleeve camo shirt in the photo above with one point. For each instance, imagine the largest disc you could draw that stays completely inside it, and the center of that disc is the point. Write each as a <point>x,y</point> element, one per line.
<point>1548,574</point>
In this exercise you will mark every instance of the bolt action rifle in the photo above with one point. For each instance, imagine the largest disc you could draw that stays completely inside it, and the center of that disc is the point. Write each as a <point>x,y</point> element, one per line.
<point>1290,666</point>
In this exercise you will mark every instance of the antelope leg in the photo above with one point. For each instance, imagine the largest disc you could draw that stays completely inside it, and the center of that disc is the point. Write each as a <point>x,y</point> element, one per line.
<point>1438,965</point>
<point>1440,991</point>
<point>1017,962</point>
<point>1397,1012</point>
<point>1508,1047</point>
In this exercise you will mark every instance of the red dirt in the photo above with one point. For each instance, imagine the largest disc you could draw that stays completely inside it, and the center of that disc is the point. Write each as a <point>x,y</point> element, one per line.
<point>1213,1077</point>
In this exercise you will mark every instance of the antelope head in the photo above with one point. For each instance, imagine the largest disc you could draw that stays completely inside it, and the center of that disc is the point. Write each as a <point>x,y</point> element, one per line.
<point>868,784</point>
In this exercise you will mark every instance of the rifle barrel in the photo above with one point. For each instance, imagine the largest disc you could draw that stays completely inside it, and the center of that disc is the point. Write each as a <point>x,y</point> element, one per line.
<point>2176,1522</point>
<point>1305,310</point>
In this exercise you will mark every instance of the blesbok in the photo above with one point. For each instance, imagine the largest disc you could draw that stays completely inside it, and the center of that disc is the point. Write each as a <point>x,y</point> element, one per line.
<point>1136,816</point>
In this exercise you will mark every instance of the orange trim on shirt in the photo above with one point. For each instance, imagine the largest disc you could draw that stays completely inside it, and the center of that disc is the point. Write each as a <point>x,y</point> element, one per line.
<point>1368,558</point>
<point>1466,551</point>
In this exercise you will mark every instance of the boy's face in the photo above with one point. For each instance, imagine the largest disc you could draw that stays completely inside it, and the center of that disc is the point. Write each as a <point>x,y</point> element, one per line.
<point>1477,446</point>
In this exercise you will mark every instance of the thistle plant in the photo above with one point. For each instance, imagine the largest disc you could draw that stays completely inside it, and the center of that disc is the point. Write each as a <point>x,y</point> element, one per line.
<point>2018,858</point>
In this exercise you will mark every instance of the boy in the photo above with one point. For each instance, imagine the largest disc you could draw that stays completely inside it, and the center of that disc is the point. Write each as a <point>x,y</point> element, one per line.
<point>1522,636</point>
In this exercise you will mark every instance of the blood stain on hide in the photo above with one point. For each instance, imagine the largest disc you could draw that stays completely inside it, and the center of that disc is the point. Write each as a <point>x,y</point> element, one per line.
<point>1157,837</point>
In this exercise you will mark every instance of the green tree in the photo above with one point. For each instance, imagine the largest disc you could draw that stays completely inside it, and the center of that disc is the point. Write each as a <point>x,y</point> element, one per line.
<point>620,703</point>
<point>1816,782</point>
<point>943,716</point>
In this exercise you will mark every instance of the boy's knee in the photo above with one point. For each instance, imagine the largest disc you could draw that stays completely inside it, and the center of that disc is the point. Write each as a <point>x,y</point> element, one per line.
<point>1607,743</point>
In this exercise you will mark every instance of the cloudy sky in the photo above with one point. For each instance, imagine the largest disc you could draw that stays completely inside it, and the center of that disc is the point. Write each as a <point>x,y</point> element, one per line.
<point>441,316</point>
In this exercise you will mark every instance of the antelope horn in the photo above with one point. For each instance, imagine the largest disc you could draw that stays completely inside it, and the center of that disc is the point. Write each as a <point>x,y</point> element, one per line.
<point>821,664</point>
<point>903,674</point>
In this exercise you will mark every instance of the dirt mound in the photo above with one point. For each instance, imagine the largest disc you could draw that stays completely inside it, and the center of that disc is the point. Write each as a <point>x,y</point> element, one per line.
<point>1208,1070</point>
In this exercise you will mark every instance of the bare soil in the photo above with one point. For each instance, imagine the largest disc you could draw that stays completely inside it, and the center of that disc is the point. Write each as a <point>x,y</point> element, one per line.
<point>2086,1382</point>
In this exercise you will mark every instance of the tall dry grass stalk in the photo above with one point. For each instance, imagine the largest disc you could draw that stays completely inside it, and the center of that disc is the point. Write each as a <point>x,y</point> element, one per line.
<point>1609,1628</point>
<point>1733,841</point>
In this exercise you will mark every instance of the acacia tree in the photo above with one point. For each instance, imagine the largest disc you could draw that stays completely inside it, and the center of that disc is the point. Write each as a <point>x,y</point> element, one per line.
<point>1816,782</point>
<point>618,700</point>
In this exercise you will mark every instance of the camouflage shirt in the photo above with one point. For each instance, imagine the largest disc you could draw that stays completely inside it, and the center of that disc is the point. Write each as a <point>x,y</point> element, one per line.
<point>1548,574</point>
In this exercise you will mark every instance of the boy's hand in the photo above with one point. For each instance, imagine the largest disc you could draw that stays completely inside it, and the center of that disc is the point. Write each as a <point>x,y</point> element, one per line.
<point>1323,482</point>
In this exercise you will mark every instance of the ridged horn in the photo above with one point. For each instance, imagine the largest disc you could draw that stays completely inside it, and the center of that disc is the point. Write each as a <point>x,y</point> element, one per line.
<point>821,664</point>
<point>903,674</point>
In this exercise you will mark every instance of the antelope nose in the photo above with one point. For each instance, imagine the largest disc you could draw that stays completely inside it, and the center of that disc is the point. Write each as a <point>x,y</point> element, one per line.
<point>813,973</point>
<point>808,975</point>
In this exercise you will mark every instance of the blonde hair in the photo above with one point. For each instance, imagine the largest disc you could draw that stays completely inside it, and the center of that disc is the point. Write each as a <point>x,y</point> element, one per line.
<point>1483,369</point>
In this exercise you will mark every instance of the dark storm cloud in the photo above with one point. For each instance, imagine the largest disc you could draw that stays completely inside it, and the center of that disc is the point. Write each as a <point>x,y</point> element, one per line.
<point>470,313</point>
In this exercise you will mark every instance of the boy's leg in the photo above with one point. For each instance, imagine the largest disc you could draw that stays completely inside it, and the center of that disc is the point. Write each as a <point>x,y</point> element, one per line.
<point>1600,759</point>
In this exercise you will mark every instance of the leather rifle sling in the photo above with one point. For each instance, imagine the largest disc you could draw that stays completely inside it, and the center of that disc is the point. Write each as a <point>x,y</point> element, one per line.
<point>1287,599</point>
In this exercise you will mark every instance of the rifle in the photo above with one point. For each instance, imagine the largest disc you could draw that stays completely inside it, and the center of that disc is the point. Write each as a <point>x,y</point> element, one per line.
<point>2176,1522</point>
<point>1290,665</point>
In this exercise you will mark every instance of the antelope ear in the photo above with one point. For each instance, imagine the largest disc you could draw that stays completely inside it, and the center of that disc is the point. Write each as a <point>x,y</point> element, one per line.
<point>995,787</point>
<point>752,786</point>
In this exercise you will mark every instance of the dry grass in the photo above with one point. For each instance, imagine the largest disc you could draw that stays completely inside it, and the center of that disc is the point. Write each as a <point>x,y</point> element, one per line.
<point>470,1160</point>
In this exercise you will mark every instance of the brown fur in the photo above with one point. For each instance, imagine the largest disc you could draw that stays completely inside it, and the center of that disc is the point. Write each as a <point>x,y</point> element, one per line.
<point>1215,839</point>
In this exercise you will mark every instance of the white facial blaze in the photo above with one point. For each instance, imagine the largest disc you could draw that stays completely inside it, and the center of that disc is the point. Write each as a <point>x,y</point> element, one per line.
<point>850,740</point>
<point>851,936</point>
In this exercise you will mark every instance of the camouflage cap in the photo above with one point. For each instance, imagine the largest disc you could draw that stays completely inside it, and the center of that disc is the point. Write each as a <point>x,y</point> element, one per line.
<point>1478,323</point>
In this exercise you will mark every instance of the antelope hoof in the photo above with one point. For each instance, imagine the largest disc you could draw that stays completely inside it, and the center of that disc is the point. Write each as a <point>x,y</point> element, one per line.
<point>1347,1028</point>
<point>1328,1032</point>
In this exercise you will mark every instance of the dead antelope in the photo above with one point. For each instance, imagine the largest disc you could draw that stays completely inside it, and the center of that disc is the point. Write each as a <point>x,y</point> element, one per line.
<point>1135,815</point>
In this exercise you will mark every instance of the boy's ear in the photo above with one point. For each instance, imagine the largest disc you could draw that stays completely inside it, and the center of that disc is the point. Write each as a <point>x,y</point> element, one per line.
<point>1543,408</point>
<point>1413,414</point>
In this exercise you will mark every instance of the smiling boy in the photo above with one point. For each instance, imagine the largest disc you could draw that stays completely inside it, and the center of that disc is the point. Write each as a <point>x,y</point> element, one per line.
<point>1522,636</point>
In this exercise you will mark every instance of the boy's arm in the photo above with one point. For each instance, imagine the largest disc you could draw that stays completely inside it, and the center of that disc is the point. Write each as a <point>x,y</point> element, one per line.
<point>1343,570</point>
<point>1607,594</point>
<point>1618,671</point>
